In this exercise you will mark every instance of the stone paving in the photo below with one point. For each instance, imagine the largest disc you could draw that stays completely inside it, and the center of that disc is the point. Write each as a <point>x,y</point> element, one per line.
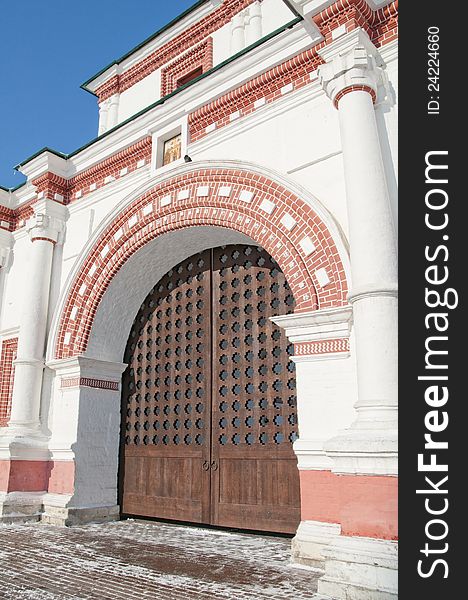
<point>138,559</point>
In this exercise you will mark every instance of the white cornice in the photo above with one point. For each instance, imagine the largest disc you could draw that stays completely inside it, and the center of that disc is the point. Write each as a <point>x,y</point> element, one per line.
<point>44,162</point>
<point>317,325</point>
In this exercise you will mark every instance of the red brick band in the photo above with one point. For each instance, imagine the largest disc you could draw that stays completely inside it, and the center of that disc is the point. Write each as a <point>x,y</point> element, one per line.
<point>99,384</point>
<point>7,375</point>
<point>43,239</point>
<point>331,346</point>
<point>355,88</point>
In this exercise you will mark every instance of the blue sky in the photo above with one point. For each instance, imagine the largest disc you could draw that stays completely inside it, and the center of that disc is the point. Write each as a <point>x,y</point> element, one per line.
<point>47,50</point>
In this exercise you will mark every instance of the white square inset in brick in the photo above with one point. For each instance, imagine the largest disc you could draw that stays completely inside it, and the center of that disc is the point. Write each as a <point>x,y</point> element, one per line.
<point>78,194</point>
<point>235,115</point>
<point>92,270</point>
<point>260,102</point>
<point>123,171</point>
<point>287,88</point>
<point>183,195</point>
<point>307,246</point>
<point>109,179</point>
<point>82,290</point>
<point>40,195</point>
<point>338,32</point>
<point>166,200</point>
<point>288,222</point>
<point>246,196</point>
<point>58,197</point>
<point>105,251</point>
<point>148,209</point>
<point>118,234</point>
<point>73,313</point>
<point>322,277</point>
<point>268,206</point>
<point>67,338</point>
<point>141,163</point>
<point>203,191</point>
<point>210,128</point>
<point>133,221</point>
<point>92,187</point>
<point>225,191</point>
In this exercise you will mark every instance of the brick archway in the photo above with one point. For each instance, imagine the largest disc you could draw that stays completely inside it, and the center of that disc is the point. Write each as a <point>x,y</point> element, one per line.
<point>253,204</point>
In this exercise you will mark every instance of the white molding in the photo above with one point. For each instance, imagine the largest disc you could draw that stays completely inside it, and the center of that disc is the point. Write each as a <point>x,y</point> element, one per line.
<point>10,333</point>
<point>316,325</point>
<point>82,366</point>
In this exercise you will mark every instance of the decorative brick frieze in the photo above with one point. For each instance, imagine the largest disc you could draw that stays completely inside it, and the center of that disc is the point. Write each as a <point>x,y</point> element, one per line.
<point>118,165</point>
<point>51,186</point>
<point>244,99</point>
<point>65,191</point>
<point>135,227</point>
<point>99,384</point>
<point>188,38</point>
<point>196,57</point>
<point>332,346</point>
<point>7,374</point>
<point>381,25</point>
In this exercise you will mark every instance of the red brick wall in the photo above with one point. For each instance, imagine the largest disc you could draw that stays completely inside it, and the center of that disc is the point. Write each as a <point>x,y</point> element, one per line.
<point>7,373</point>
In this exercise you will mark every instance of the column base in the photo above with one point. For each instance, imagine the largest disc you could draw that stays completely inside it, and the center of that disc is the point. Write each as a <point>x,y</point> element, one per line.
<point>358,568</point>
<point>364,452</point>
<point>309,542</point>
<point>56,512</point>
<point>20,507</point>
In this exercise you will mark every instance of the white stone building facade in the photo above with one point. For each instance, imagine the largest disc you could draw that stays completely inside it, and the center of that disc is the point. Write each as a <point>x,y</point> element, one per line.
<point>264,123</point>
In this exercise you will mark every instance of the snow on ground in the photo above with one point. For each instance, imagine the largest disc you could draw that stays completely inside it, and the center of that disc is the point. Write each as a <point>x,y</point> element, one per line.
<point>137,559</point>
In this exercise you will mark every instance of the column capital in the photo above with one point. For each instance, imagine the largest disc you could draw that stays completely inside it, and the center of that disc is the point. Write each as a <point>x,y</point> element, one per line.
<point>6,242</point>
<point>353,63</point>
<point>48,221</point>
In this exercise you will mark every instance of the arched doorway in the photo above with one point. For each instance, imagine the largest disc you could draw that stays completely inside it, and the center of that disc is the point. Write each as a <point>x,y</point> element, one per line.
<point>208,398</point>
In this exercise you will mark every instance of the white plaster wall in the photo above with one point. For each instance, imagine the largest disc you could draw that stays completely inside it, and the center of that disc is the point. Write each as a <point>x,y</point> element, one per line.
<point>139,96</point>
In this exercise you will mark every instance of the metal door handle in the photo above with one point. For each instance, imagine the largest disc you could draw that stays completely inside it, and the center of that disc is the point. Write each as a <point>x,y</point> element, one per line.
<point>214,465</point>
<point>206,466</point>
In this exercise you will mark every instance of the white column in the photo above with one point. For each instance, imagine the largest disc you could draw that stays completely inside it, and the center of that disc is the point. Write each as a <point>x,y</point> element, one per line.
<point>113,111</point>
<point>44,229</point>
<point>6,241</point>
<point>254,23</point>
<point>238,33</point>
<point>351,78</point>
<point>103,117</point>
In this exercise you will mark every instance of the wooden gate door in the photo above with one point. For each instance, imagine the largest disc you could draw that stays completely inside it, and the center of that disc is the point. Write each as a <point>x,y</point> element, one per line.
<point>209,404</point>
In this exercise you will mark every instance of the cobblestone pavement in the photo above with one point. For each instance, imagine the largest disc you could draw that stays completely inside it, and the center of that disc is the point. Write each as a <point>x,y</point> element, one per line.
<point>135,559</point>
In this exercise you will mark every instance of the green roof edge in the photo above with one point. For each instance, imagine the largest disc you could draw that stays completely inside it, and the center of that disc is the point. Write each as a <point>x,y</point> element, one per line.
<point>153,36</point>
